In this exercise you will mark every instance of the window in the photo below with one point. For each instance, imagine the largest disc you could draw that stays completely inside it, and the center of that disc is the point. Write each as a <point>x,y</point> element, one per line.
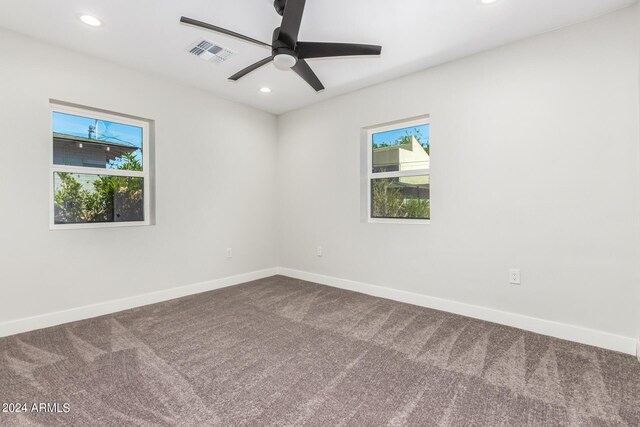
<point>99,169</point>
<point>398,174</point>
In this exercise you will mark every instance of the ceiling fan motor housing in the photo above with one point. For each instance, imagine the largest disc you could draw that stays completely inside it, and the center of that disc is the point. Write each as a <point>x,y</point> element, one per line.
<point>279,5</point>
<point>284,56</point>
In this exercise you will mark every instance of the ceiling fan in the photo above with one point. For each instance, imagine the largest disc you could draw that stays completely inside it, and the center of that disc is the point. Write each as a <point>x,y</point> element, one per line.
<point>286,51</point>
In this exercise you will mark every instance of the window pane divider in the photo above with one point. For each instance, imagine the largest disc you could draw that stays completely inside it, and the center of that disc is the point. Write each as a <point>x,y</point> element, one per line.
<point>97,171</point>
<point>399,174</point>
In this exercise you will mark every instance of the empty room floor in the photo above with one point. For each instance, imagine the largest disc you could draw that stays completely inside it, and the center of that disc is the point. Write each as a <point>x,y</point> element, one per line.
<point>280,351</point>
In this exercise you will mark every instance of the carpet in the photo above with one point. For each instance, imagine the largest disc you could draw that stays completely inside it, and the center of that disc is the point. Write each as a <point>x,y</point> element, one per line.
<point>280,351</point>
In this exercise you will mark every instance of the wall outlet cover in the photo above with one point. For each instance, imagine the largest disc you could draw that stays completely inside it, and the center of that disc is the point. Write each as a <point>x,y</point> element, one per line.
<point>514,276</point>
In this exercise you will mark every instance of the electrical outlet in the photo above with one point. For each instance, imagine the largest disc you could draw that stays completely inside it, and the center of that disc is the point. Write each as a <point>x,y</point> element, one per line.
<point>228,252</point>
<point>319,251</point>
<point>514,276</point>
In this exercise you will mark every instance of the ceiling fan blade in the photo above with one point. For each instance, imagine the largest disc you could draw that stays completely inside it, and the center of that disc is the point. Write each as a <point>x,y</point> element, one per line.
<point>326,50</point>
<point>291,20</point>
<point>304,71</point>
<point>250,68</point>
<point>210,27</point>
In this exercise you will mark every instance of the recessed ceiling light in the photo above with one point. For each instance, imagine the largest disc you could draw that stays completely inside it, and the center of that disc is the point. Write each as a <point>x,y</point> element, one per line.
<point>91,20</point>
<point>488,1</point>
<point>265,90</point>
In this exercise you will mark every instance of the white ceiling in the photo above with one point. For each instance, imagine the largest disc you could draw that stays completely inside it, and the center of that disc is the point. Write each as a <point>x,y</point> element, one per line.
<point>415,34</point>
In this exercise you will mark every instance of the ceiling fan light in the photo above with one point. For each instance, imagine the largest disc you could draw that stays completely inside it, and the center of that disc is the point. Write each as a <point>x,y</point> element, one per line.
<point>284,61</point>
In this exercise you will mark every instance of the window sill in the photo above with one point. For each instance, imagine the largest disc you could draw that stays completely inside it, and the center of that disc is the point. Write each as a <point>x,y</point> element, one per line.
<point>398,221</point>
<point>56,227</point>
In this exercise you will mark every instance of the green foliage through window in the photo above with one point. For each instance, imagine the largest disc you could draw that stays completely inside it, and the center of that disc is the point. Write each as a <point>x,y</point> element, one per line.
<point>389,201</point>
<point>406,139</point>
<point>100,198</point>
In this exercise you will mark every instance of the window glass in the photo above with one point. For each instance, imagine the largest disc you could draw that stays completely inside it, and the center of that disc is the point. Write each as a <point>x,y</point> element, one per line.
<point>88,198</point>
<point>401,149</point>
<point>406,197</point>
<point>88,142</point>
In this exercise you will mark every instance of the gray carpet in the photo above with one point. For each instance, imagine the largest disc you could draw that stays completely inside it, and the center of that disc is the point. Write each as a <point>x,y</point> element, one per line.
<point>279,351</point>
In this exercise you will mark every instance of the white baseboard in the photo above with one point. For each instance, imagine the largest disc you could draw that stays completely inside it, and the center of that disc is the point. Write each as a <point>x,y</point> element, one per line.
<point>545,327</point>
<point>13,327</point>
<point>555,329</point>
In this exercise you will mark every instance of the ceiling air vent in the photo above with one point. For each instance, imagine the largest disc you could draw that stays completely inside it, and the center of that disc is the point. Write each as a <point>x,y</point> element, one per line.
<point>208,51</point>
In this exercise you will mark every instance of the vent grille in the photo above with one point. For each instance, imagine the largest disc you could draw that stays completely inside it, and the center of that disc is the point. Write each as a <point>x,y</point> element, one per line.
<point>208,51</point>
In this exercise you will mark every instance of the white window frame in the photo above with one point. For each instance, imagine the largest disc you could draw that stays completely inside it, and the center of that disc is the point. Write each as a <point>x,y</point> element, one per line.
<point>145,173</point>
<point>370,175</point>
